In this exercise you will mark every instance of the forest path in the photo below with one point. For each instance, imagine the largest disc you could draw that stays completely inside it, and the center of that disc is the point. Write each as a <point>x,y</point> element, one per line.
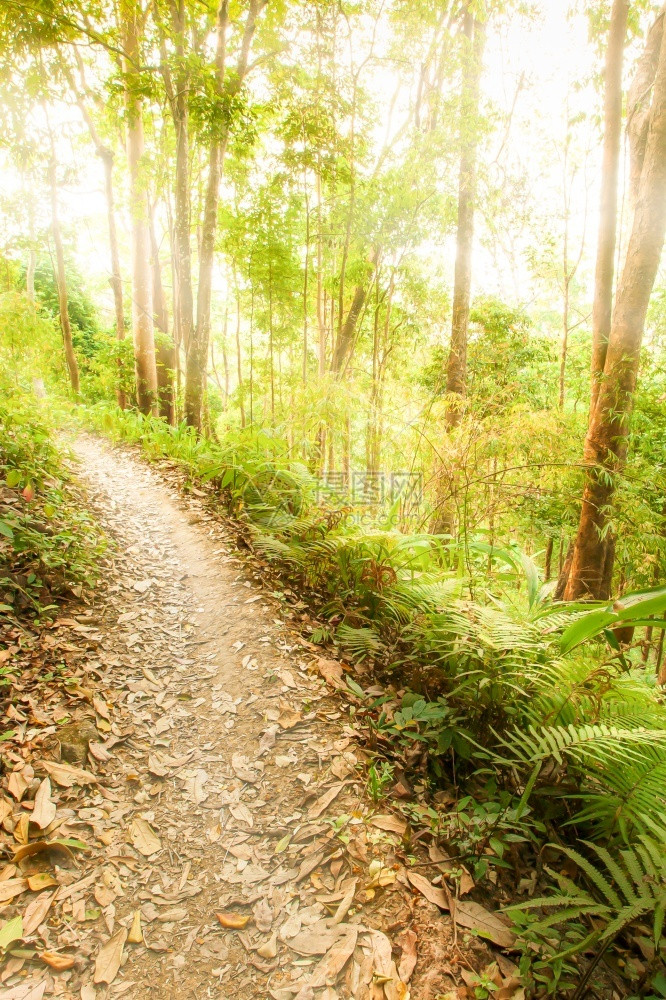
<point>225,740</point>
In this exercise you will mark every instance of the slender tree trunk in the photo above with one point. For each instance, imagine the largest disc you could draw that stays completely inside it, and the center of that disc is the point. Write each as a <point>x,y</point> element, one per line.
<point>239,360</point>
<point>142,304</point>
<point>32,255</point>
<point>165,353</point>
<point>271,340</point>
<point>182,207</point>
<point>305,279</point>
<point>456,372</point>
<point>548,562</point>
<point>344,342</point>
<point>604,272</point>
<point>116,281</point>
<point>567,276</point>
<point>106,156</point>
<point>607,437</point>
<point>197,355</point>
<point>61,280</point>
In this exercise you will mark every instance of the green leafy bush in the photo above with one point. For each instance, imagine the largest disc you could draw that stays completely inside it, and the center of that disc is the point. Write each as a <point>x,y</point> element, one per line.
<point>49,544</point>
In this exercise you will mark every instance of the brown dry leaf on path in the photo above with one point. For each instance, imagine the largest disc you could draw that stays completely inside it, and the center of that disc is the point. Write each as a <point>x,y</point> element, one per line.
<point>427,889</point>
<point>53,848</point>
<point>45,810</point>
<point>57,961</point>
<point>135,935</point>
<point>317,939</point>
<point>407,941</point>
<point>332,965</point>
<point>324,802</point>
<point>194,785</point>
<point>263,916</point>
<point>493,926</point>
<point>66,775</point>
<point>233,921</point>
<point>288,717</point>
<point>467,913</point>
<point>12,887</point>
<point>36,912</point>
<point>42,880</point>
<point>26,991</point>
<point>19,782</point>
<point>143,837</point>
<point>109,958</point>
<point>391,824</point>
<point>331,671</point>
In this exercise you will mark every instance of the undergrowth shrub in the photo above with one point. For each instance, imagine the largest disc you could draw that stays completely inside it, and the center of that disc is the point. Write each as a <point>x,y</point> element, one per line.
<point>49,544</point>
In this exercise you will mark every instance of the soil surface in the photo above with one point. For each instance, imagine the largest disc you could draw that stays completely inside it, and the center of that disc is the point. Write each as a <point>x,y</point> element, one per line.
<point>225,787</point>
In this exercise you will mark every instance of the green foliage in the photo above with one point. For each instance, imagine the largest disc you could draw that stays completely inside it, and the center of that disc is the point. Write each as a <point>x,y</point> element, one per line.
<point>80,307</point>
<point>49,545</point>
<point>30,344</point>
<point>619,888</point>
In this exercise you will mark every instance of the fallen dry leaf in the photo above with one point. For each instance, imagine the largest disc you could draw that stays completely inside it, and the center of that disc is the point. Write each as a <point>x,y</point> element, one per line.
<point>26,991</point>
<point>234,921</point>
<point>263,917</point>
<point>135,935</point>
<point>51,847</point>
<point>332,965</point>
<point>143,837</point>
<point>392,824</point>
<point>109,958</point>
<point>66,775</point>
<point>331,671</point>
<point>194,785</point>
<point>288,717</point>
<point>427,889</point>
<point>45,810</point>
<point>269,949</point>
<point>12,887</point>
<point>57,961</point>
<point>42,880</point>
<point>322,803</point>
<point>19,782</point>
<point>36,911</point>
<point>407,942</point>
<point>493,926</point>
<point>317,939</point>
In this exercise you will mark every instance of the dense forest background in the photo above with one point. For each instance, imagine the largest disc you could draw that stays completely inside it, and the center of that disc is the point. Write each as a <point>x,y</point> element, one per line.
<point>385,277</point>
<point>362,236</point>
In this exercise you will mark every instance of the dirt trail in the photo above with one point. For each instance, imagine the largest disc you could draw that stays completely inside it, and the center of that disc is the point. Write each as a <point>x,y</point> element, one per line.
<point>230,754</point>
<point>228,782</point>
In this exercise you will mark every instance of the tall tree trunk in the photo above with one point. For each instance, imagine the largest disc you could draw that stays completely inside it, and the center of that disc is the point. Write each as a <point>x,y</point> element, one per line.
<point>142,304</point>
<point>177,90</point>
<point>456,372</point>
<point>32,255</point>
<point>106,156</point>
<point>197,355</point>
<point>61,280</point>
<point>604,272</point>
<point>239,359</point>
<point>116,280</point>
<point>343,348</point>
<point>165,352</point>
<point>607,436</point>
